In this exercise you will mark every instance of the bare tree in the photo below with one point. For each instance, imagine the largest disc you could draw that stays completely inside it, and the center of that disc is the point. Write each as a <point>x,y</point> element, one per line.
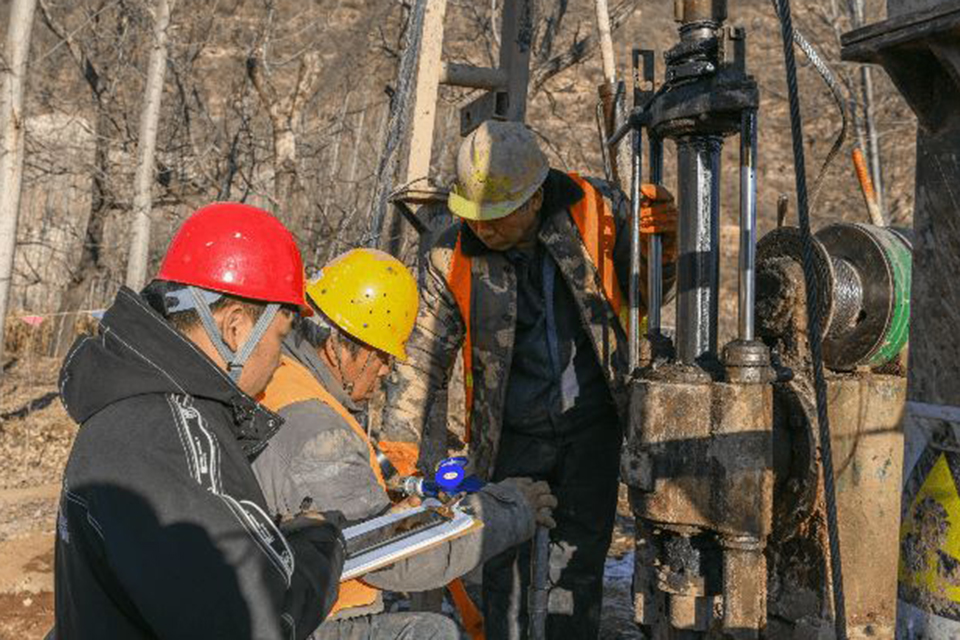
<point>286,113</point>
<point>580,49</point>
<point>102,83</point>
<point>146,149</point>
<point>13,125</point>
<point>548,27</point>
<point>606,41</point>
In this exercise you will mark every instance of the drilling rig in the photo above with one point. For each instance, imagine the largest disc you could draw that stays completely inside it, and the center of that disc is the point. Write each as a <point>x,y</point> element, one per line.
<point>754,518</point>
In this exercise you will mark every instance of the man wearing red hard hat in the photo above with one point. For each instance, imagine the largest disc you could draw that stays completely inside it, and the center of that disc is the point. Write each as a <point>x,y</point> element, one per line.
<point>162,530</point>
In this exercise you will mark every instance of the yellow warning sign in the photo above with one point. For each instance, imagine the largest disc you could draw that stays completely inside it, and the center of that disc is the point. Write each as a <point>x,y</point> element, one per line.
<point>930,536</point>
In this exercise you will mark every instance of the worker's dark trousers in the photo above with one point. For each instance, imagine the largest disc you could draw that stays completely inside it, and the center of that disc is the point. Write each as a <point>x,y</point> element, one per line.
<point>583,472</point>
<point>418,625</point>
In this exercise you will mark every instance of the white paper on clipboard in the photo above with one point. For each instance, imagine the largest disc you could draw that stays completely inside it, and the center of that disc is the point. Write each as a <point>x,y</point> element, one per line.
<point>407,546</point>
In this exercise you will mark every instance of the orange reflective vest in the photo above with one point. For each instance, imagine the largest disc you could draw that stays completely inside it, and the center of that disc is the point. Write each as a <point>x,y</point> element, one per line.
<point>598,231</point>
<point>402,455</point>
<point>292,383</point>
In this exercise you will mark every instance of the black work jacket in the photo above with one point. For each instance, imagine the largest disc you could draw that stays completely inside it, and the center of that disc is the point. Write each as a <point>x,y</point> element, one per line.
<point>162,530</point>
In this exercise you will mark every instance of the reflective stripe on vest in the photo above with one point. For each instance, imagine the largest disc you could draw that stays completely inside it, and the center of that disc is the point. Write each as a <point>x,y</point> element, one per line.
<point>292,383</point>
<point>459,281</point>
<point>598,232</point>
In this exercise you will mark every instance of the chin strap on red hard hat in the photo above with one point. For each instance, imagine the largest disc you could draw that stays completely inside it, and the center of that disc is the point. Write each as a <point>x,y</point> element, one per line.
<point>234,359</point>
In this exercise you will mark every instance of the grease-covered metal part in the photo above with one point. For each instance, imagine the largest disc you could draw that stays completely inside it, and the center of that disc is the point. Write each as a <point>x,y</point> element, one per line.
<point>655,251</point>
<point>698,451</point>
<point>698,479</point>
<point>699,463</point>
<point>747,362</point>
<point>700,10</point>
<point>640,97</point>
<point>868,448</point>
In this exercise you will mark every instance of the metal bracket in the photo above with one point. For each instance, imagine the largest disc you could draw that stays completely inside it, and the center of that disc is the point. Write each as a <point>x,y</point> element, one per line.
<point>492,104</point>
<point>420,195</point>
<point>688,70</point>
<point>646,75</point>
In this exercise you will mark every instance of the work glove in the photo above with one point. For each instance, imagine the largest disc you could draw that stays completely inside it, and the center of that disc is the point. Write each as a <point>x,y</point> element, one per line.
<point>323,527</point>
<point>539,499</point>
<point>309,511</point>
<point>658,214</point>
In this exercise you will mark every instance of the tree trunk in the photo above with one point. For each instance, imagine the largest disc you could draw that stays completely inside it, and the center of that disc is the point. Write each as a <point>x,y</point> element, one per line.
<point>88,268</point>
<point>285,170</point>
<point>873,139</point>
<point>139,258</point>
<point>285,114</point>
<point>13,125</point>
<point>334,170</point>
<point>606,42</point>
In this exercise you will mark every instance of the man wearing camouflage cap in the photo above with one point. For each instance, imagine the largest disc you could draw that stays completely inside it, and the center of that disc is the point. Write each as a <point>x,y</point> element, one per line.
<point>528,282</point>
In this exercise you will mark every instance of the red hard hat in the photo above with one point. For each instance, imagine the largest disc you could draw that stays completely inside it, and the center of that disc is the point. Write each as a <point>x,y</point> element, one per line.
<point>237,249</point>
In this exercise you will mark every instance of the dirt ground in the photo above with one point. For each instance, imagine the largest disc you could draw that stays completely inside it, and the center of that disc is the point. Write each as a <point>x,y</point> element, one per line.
<point>35,439</point>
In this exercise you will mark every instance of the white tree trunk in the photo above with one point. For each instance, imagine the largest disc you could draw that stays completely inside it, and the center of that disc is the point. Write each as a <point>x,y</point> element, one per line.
<point>138,260</point>
<point>12,127</point>
<point>606,41</point>
<point>873,138</point>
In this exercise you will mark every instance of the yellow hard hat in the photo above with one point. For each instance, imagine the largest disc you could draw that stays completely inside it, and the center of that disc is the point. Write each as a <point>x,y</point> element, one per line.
<point>371,296</point>
<point>499,167</point>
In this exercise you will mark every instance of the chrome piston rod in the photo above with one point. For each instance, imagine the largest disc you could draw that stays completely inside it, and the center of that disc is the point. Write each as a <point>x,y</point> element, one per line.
<point>655,251</point>
<point>698,274</point>
<point>633,329</point>
<point>748,224</point>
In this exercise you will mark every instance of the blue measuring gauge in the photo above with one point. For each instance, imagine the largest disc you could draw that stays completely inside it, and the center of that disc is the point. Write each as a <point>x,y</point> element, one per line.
<point>450,473</point>
<point>451,476</point>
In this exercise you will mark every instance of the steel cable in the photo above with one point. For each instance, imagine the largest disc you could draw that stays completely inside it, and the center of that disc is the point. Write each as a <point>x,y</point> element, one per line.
<point>847,298</point>
<point>836,93</point>
<point>813,320</point>
<point>397,123</point>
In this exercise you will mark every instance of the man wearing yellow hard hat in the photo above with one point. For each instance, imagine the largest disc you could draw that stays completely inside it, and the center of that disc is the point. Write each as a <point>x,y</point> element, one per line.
<point>528,282</point>
<point>366,303</point>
